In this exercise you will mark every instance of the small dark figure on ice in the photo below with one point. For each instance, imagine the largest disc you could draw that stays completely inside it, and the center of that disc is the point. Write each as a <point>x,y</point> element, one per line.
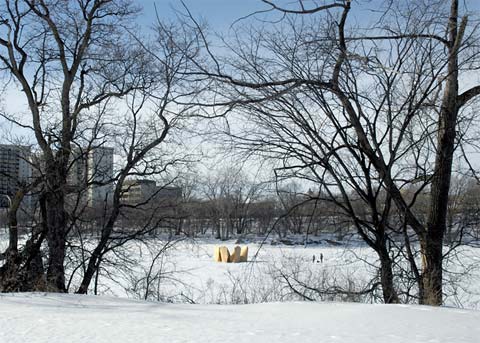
<point>319,260</point>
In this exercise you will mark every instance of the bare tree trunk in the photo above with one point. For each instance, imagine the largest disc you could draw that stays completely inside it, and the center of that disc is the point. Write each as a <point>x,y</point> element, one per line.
<point>56,238</point>
<point>23,270</point>
<point>390,295</point>
<point>432,243</point>
<point>431,281</point>
<point>95,258</point>
<point>10,280</point>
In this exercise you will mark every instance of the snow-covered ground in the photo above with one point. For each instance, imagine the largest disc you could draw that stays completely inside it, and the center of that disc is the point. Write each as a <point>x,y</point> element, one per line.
<point>189,274</point>
<point>56,318</point>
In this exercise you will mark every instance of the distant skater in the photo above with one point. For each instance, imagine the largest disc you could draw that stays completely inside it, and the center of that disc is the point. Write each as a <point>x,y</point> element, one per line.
<point>313,258</point>
<point>321,257</point>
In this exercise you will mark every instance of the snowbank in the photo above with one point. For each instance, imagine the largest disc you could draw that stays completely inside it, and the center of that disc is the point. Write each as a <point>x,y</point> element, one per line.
<point>79,319</point>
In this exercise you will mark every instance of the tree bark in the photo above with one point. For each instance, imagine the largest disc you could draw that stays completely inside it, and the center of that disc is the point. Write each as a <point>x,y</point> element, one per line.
<point>432,241</point>
<point>390,295</point>
<point>56,238</point>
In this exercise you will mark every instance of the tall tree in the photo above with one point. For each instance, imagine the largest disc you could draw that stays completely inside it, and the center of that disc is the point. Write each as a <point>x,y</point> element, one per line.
<point>73,61</point>
<point>66,57</point>
<point>371,109</point>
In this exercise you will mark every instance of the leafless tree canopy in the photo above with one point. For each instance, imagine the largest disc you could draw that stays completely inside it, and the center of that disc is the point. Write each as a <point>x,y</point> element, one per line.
<point>369,112</point>
<point>90,83</point>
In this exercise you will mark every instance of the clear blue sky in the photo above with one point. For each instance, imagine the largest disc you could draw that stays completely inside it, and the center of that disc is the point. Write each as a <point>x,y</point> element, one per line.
<point>219,13</point>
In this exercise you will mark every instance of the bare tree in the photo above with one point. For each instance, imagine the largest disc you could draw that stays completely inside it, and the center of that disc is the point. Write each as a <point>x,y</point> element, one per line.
<point>229,195</point>
<point>79,66</point>
<point>66,57</point>
<point>372,110</point>
<point>147,132</point>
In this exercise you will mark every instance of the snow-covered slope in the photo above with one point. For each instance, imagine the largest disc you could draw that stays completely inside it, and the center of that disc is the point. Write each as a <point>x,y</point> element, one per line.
<point>70,318</point>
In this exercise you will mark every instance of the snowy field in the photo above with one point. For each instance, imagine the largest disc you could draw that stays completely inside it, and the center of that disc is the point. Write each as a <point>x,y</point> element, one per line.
<point>191,297</point>
<point>52,318</point>
<point>187,273</point>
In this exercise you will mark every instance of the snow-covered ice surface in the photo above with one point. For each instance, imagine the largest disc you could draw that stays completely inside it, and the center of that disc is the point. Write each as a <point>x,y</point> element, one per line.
<point>190,273</point>
<point>80,319</point>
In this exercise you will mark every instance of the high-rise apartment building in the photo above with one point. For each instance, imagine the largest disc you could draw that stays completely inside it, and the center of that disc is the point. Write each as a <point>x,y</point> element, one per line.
<point>14,169</point>
<point>92,171</point>
<point>99,176</point>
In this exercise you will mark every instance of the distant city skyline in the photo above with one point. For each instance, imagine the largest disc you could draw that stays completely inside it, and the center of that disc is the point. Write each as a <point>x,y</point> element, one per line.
<point>17,165</point>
